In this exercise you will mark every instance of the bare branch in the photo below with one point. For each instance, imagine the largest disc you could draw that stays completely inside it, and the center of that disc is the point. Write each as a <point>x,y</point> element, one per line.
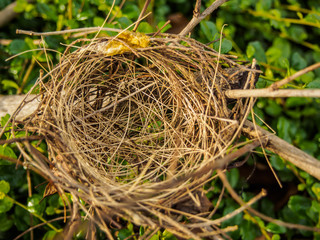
<point>88,29</point>
<point>7,14</point>
<point>278,84</point>
<point>197,18</point>
<point>145,6</point>
<point>285,150</point>
<point>268,92</point>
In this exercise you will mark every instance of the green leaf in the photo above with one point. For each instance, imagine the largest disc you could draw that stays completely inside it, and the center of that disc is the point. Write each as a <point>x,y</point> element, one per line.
<point>233,177</point>
<point>314,84</point>
<point>255,49</point>
<point>47,11</point>
<point>145,27</point>
<point>209,29</point>
<point>7,84</point>
<point>160,24</point>
<point>315,206</point>
<point>50,235</point>
<point>5,204</point>
<point>4,120</point>
<point>298,33</point>
<point>98,21</point>
<point>124,22</point>
<point>283,127</point>
<point>274,228</point>
<point>5,222</point>
<point>277,162</point>
<point>296,102</point>
<point>307,77</point>
<point>226,46</point>
<point>276,237</point>
<point>316,189</point>
<point>4,187</point>
<point>166,235</point>
<point>6,151</point>
<point>248,230</point>
<point>131,10</point>
<point>21,6</point>
<point>273,109</point>
<point>50,210</point>
<point>297,61</point>
<point>124,234</point>
<point>309,147</point>
<point>34,205</point>
<point>141,231</point>
<point>299,204</point>
<point>19,46</point>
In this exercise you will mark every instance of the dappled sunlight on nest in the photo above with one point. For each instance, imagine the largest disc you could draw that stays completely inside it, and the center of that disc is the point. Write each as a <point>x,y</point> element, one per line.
<point>128,130</point>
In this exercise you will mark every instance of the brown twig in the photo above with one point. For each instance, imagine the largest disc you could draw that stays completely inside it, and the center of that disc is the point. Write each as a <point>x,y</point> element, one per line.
<point>197,18</point>
<point>145,6</point>
<point>159,30</point>
<point>88,29</point>
<point>279,84</point>
<point>7,14</point>
<point>269,92</point>
<point>21,139</point>
<point>285,150</point>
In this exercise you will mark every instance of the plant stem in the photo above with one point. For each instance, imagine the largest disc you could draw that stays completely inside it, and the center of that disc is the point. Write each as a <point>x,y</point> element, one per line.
<point>34,214</point>
<point>266,92</point>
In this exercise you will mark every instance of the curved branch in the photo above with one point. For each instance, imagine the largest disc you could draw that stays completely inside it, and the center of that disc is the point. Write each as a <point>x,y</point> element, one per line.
<point>197,18</point>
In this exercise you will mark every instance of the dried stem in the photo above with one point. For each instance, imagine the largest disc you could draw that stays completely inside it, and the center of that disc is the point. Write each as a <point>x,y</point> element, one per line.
<point>268,92</point>
<point>197,18</point>
<point>88,29</point>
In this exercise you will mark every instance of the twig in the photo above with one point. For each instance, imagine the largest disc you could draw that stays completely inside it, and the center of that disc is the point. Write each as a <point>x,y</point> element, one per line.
<point>278,84</point>
<point>39,225</point>
<point>88,29</point>
<point>197,18</point>
<point>235,196</point>
<point>13,140</point>
<point>164,25</point>
<point>268,92</point>
<point>285,150</point>
<point>7,14</point>
<point>145,6</point>
<point>268,15</point>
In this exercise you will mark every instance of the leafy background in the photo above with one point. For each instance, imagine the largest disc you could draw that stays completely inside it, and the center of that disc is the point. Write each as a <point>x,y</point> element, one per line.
<point>282,35</point>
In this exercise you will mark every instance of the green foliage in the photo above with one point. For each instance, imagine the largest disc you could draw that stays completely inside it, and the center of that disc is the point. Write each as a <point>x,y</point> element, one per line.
<point>283,36</point>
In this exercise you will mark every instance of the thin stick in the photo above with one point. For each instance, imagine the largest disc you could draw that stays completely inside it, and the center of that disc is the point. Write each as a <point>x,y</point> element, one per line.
<point>278,84</point>
<point>285,150</point>
<point>268,92</point>
<point>88,29</point>
<point>39,225</point>
<point>235,196</point>
<point>197,18</point>
<point>145,6</point>
<point>256,198</point>
<point>157,32</point>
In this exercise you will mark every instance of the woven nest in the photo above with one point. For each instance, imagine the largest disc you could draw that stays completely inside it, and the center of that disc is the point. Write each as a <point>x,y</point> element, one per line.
<point>132,123</point>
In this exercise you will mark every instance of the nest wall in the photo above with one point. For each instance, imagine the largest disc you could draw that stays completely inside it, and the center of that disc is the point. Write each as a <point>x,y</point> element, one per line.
<point>127,131</point>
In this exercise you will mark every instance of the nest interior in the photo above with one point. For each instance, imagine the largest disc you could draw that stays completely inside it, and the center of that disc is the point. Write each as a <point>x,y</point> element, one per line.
<point>128,119</point>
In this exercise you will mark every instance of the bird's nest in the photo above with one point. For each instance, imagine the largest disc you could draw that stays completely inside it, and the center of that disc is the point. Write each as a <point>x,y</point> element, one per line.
<point>132,123</point>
